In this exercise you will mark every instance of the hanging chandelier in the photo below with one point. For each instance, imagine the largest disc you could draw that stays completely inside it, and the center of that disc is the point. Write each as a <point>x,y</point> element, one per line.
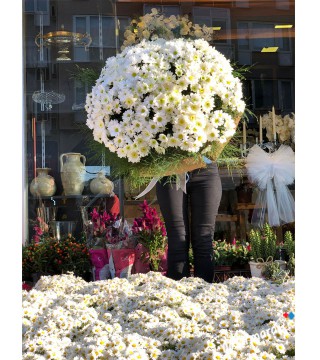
<point>63,39</point>
<point>47,98</point>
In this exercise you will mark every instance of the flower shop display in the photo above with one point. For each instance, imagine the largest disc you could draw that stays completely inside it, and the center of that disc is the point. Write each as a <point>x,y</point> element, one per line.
<point>160,103</point>
<point>231,255</point>
<point>224,255</point>
<point>111,246</point>
<point>151,234</point>
<point>271,173</point>
<point>242,252</point>
<point>156,25</point>
<point>284,126</point>
<point>263,244</point>
<point>51,256</point>
<point>149,316</point>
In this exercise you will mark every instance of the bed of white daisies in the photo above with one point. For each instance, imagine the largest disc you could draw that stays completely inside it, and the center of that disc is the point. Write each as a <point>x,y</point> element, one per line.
<point>150,316</point>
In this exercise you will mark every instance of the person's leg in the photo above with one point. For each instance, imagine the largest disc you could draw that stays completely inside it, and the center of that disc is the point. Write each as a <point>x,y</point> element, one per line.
<point>173,206</point>
<point>205,191</point>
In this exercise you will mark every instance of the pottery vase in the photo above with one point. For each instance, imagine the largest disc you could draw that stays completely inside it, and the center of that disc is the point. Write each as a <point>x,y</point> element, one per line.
<point>101,185</point>
<point>72,169</point>
<point>43,184</point>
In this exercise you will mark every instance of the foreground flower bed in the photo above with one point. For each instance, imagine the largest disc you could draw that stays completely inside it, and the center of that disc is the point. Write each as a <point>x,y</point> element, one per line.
<point>149,316</point>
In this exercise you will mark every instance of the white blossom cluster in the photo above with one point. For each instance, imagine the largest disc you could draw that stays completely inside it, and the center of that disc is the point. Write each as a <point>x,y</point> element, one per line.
<point>164,94</point>
<point>155,25</point>
<point>150,316</point>
<point>285,126</point>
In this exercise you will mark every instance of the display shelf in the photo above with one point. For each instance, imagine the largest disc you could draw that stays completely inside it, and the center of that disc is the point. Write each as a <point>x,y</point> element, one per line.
<point>58,197</point>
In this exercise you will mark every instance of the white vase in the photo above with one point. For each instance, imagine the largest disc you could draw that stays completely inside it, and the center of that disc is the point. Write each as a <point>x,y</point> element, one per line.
<point>72,171</point>
<point>101,185</point>
<point>43,184</point>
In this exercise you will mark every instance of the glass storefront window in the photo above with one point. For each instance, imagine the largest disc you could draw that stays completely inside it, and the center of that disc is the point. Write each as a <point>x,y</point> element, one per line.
<point>53,128</point>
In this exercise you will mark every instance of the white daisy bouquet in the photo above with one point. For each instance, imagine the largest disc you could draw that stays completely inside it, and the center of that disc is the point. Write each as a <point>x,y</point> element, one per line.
<point>162,101</point>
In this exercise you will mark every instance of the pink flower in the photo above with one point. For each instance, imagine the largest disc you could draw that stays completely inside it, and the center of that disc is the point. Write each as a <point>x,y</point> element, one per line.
<point>36,238</point>
<point>38,230</point>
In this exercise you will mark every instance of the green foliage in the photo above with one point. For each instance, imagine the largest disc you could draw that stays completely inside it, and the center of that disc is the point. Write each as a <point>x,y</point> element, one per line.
<point>151,233</point>
<point>291,265</point>
<point>52,257</point>
<point>87,76</point>
<point>225,253</point>
<point>273,272</point>
<point>140,174</point>
<point>289,245</point>
<point>263,243</point>
<point>155,245</point>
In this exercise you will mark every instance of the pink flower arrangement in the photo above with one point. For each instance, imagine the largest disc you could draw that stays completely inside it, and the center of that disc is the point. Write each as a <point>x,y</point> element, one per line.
<point>151,233</point>
<point>102,222</point>
<point>110,228</point>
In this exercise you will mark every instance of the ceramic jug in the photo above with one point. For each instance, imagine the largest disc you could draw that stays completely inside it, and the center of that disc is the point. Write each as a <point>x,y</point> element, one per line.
<point>101,185</point>
<point>72,171</point>
<point>43,184</point>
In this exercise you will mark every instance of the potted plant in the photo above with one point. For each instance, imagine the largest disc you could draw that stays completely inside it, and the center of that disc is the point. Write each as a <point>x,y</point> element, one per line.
<point>224,255</point>
<point>242,254</point>
<point>53,257</point>
<point>273,272</point>
<point>263,249</point>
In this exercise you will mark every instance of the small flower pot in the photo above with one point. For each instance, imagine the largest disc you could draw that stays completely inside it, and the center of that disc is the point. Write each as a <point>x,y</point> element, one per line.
<point>257,268</point>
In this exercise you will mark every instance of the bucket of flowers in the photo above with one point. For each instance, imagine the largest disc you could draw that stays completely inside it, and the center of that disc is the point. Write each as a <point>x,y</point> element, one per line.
<point>163,103</point>
<point>151,236</point>
<point>111,246</point>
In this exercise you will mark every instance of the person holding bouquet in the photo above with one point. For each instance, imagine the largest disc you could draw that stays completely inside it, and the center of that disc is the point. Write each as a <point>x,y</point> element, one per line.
<point>190,219</point>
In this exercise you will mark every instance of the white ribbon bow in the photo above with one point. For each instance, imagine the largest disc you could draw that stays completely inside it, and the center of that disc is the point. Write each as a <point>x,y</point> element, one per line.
<point>272,172</point>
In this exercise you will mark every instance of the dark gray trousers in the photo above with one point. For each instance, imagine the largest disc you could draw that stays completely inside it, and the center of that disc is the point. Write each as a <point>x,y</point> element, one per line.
<point>191,218</point>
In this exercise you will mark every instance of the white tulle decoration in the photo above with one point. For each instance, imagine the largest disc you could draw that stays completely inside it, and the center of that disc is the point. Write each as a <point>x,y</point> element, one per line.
<point>272,172</point>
